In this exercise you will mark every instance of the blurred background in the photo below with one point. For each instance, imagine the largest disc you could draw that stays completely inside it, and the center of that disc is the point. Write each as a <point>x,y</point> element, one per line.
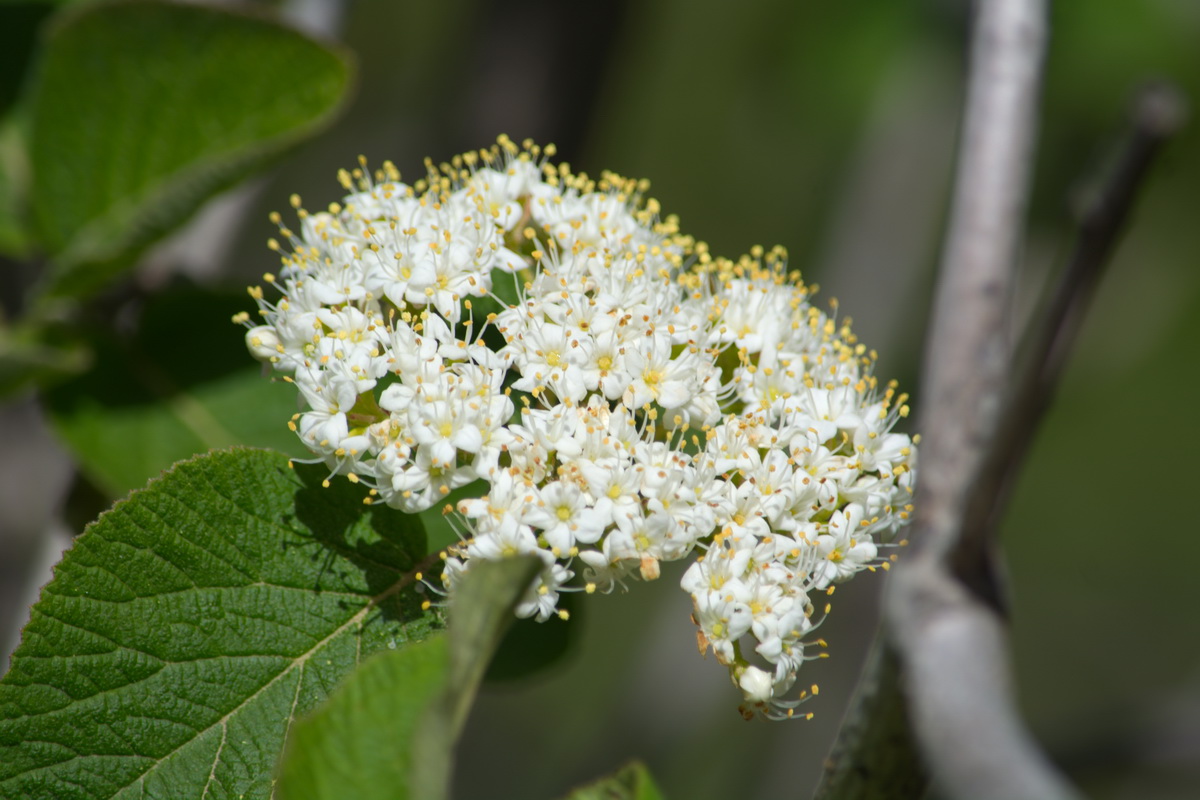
<point>830,129</point>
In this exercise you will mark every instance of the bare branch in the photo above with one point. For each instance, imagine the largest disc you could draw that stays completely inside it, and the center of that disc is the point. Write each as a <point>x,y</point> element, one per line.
<point>955,656</point>
<point>950,641</point>
<point>948,634</point>
<point>874,757</point>
<point>1158,112</point>
<point>967,355</point>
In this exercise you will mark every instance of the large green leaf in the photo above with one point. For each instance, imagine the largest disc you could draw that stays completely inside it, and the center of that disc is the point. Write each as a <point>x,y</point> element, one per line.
<point>163,394</point>
<point>143,110</point>
<point>388,733</point>
<point>192,623</point>
<point>19,23</point>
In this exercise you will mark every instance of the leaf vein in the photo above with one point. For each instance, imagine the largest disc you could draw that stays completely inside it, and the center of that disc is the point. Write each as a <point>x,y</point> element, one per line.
<point>299,661</point>
<point>212,773</point>
<point>291,716</point>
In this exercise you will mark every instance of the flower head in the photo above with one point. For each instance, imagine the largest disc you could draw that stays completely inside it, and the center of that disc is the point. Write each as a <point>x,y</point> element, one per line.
<point>627,398</point>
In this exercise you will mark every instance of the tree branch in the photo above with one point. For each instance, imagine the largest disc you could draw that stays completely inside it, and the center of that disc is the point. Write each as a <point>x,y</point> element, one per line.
<point>941,612</point>
<point>874,756</point>
<point>966,354</point>
<point>1157,112</point>
<point>946,602</point>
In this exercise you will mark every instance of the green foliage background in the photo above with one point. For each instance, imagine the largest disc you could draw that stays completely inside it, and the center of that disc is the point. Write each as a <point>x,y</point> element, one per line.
<point>828,128</point>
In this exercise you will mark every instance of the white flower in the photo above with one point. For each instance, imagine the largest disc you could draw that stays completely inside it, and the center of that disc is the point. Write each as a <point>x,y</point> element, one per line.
<point>723,617</point>
<point>541,598</point>
<point>564,517</point>
<point>758,686</point>
<point>615,487</point>
<point>657,376</point>
<point>625,398</point>
<point>845,551</point>
<point>263,343</point>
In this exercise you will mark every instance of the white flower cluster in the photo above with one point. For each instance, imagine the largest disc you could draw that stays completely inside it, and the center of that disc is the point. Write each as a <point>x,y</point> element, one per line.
<point>627,398</point>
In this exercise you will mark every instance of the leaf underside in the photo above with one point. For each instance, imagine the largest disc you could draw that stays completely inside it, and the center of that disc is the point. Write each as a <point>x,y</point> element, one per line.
<point>359,744</point>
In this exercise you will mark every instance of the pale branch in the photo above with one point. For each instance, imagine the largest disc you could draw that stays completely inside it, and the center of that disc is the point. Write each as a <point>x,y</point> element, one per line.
<point>1157,112</point>
<point>950,641</point>
<point>963,707</point>
<point>967,355</point>
<point>966,360</point>
<point>875,756</point>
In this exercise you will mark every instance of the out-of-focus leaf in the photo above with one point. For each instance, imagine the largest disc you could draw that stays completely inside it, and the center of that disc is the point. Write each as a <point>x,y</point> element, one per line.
<point>359,743</point>
<point>782,50</point>
<point>530,646</point>
<point>14,188</point>
<point>19,24</point>
<point>482,610</point>
<point>141,111</point>
<point>389,731</point>
<point>631,782</point>
<point>25,361</point>
<point>190,625</point>
<point>181,385</point>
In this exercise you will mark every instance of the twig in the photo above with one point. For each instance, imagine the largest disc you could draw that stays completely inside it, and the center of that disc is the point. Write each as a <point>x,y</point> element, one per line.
<point>970,731</point>
<point>872,754</point>
<point>950,641</point>
<point>1158,111</point>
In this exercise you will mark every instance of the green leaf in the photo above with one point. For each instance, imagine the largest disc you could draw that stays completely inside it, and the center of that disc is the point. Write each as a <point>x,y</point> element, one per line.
<point>19,24</point>
<point>192,623</point>
<point>359,744</point>
<point>15,235</point>
<point>482,611</point>
<point>631,782</point>
<point>26,358</point>
<point>143,110</point>
<point>388,733</point>
<point>158,396</point>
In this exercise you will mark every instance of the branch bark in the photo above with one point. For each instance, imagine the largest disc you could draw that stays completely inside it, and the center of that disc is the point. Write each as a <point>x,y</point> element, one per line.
<point>942,608</point>
<point>958,657</point>
<point>875,756</point>
<point>948,642</point>
<point>1158,111</point>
